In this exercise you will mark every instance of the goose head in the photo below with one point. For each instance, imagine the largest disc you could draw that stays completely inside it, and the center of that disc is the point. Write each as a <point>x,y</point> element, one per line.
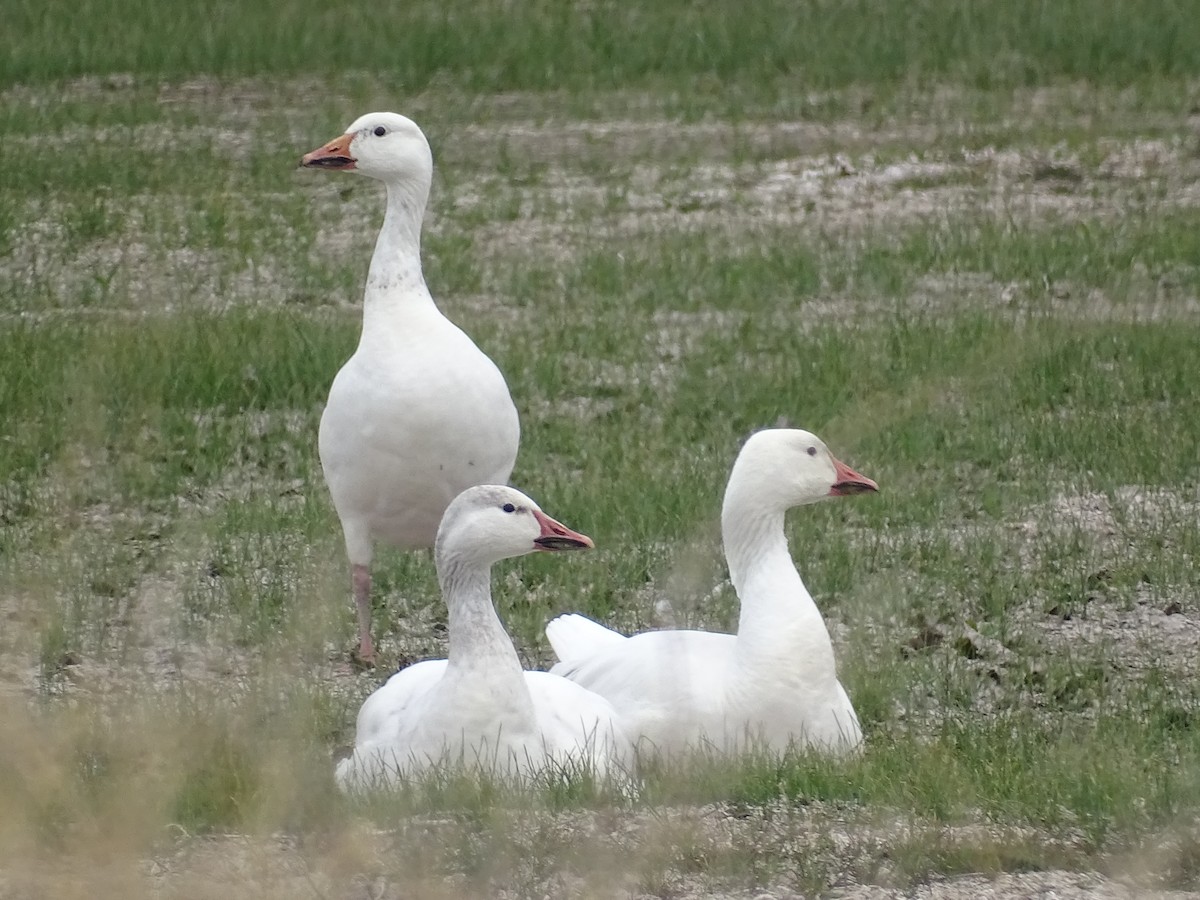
<point>489,522</point>
<point>382,145</point>
<point>786,467</point>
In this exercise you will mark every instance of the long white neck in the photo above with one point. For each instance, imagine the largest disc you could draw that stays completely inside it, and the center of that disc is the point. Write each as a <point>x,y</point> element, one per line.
<point>395,285</point>
<point>780,628</point>
<point>481,652</point>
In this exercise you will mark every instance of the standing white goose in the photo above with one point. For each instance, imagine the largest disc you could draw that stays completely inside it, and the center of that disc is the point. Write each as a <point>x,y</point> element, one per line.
<point>418,413</point>
<point>477,707</point>
<point>772,683</point>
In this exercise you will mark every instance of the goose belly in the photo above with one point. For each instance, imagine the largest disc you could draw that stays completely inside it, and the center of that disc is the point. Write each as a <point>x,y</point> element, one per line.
<point>791,712</point>
<point>396,448</point>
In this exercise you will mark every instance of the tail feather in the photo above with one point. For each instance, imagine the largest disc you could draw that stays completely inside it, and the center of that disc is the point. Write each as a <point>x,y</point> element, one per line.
<point>573,636</point>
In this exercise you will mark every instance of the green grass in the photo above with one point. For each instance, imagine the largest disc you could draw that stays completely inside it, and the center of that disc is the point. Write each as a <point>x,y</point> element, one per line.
<point>554,45</point>
<point>990,308</point>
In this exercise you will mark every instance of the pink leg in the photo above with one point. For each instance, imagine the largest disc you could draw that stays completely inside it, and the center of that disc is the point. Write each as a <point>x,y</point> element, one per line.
<point>360,576</point>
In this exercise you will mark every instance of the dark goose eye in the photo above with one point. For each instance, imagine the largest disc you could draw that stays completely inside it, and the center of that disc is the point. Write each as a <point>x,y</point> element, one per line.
<point>380,131</point>
<point>812,451</point>
<point>508,507</point>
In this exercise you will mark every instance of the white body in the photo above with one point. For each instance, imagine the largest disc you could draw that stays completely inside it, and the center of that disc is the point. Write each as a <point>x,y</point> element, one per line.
<point>772,684</point>
<point>477,708</point>
<point>418,413</point>
<point>677,690</point>
<point>424,717</point>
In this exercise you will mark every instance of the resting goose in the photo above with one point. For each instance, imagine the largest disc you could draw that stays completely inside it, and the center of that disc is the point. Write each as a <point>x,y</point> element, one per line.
<point>418,413</point>
<point>477,707</point>
<point>772,683</point>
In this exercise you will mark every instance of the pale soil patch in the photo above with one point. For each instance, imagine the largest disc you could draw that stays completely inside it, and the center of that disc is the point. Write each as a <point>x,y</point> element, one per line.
<point>1160,629</point>
<point>1018,886</point>
<point>1112,639</point>
<point>685,853</point>
<point>1151,301</point>
<point>108,276</point>
<point>134,266</point>
<point>822,194</point>
<point>579,409</point>
<point>157,635</point>
<point>1146,637</point>
<point>625,179</point>
<point>1131,507</point>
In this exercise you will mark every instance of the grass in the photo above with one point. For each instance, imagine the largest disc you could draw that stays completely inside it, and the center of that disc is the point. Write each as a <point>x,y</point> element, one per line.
<point>957,241</point>
<point>550,45</point>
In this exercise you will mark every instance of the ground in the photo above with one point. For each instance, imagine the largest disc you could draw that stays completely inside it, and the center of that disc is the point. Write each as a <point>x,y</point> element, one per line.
<point>988,304</point>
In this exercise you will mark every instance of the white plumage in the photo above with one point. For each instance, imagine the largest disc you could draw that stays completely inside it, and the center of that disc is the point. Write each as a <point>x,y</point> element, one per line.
<point>418,413</point>
<point>477,707</point>
<point>775,681</point>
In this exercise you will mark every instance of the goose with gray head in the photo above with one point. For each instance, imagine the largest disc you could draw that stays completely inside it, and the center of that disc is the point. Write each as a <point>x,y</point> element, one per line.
<point>772,684</point>
<point>419,412</point>
<point>477,708</point>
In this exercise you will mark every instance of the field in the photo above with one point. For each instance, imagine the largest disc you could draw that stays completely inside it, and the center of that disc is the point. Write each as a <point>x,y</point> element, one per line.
<point>960,242</point>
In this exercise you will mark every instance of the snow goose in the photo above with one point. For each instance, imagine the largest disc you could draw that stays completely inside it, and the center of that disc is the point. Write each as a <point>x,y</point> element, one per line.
<point>418,413</point>
<point>477,707</point>
<point>772,683</point>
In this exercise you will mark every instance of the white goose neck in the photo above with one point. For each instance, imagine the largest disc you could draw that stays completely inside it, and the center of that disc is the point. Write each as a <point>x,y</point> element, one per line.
<point>479,645</point>
<point>780,627</point>
<point>395,276</point>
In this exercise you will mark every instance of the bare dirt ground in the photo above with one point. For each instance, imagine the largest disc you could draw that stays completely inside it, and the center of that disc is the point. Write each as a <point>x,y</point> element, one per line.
<point>681,854</point>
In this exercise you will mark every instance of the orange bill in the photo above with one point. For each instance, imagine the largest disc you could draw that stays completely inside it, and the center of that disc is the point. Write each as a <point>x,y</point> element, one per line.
<point>557,536</point>
<point>850,482</point>
<point>334,155</point>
